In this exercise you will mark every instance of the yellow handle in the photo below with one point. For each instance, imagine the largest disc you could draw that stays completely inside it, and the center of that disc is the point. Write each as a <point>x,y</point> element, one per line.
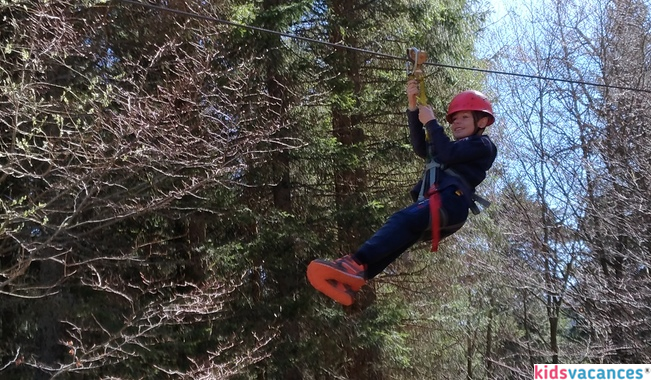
<point>418,58</point>
<point>422,97</point>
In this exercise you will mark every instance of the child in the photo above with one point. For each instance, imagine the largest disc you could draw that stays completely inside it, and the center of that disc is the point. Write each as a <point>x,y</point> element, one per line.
<point>442,198</point>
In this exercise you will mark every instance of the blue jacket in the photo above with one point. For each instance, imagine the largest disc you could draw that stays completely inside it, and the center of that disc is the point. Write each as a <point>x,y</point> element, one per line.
<point>470,158</point>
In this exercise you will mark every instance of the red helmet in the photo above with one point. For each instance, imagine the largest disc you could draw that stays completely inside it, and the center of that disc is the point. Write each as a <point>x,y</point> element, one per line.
<point>470,100</point>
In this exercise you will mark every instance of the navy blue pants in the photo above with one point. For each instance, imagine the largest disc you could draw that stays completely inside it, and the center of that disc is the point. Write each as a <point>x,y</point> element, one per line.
<point>406,227</point>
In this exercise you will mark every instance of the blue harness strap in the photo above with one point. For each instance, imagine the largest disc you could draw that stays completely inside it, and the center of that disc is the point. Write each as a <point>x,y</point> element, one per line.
<point>429,178</point>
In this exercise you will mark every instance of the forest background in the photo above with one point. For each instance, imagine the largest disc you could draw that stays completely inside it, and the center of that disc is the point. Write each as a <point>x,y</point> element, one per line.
<point>166,178</point>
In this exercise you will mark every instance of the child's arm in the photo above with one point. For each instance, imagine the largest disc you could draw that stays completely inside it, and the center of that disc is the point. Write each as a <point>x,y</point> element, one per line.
<point>416,131</point>
<point>417,134</point>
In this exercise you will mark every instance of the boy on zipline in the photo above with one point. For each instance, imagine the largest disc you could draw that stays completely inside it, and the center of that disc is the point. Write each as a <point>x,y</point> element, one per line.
<point>442,198</point>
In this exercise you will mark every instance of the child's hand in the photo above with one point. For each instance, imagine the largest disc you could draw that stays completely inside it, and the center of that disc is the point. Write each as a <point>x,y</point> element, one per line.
<point>425,114</point>
<point>412,94</point>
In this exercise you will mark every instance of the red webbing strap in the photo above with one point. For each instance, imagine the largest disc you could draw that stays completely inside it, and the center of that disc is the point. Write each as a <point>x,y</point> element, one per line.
<point>434,206</point>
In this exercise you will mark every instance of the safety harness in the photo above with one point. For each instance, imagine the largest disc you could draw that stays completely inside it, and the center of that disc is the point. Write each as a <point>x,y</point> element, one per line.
<point>429,189</point>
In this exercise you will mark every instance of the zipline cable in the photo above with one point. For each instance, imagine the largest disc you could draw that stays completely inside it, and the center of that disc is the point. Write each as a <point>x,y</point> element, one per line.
<point>374,53</point>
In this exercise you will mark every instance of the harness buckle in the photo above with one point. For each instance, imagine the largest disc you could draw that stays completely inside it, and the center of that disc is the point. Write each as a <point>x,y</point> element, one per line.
<point>485,203</point>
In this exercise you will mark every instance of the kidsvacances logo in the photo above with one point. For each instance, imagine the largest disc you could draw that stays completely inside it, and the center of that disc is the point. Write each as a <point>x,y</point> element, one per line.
<point>591,371</point>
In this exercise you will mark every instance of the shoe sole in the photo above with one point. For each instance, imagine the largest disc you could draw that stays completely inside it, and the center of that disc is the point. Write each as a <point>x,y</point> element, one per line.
<point>320,271</point>
<point>335,290</point>
<point>325,270</point>
<point>320,275</point>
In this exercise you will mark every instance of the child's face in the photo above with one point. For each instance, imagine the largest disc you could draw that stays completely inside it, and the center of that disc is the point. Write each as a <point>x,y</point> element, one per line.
<point>463,124</point>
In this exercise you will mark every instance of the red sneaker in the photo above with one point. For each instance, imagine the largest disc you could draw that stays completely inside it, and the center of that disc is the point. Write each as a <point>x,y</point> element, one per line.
<point>345,270</point>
